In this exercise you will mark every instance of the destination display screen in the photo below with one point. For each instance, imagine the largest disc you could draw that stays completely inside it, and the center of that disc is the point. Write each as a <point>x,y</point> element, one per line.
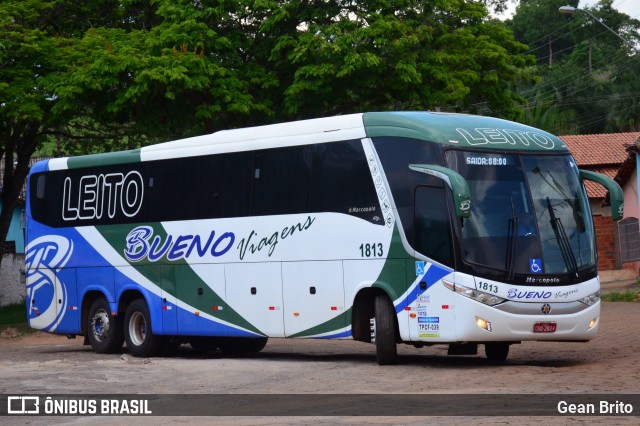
<point>479,159</point>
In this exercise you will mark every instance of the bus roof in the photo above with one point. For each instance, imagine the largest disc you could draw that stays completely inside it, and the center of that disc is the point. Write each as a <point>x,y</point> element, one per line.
<point>445,128</point>
<point>470,131</point>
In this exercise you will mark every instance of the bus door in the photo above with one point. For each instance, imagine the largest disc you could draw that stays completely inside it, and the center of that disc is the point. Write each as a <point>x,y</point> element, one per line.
<point>434,260</point>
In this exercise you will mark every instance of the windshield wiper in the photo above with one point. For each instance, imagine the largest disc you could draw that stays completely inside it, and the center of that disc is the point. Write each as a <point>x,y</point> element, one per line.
<point>563,241</point>
<point>512,242</point>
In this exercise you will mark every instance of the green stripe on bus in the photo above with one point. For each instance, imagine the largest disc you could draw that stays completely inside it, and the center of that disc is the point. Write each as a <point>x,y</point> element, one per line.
<point>168,275</point>
<point>333,325</point>
<point>392,279</point>
<point>106,159</point>
<point>460,130</point>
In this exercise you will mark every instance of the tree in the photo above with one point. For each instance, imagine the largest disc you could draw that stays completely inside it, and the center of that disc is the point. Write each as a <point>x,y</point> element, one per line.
<point>34,37</point>
<point>399,55</point>
<point>539,24</point>
<point>27,54</point>
<point>592,86</point>
<point>124,73</point>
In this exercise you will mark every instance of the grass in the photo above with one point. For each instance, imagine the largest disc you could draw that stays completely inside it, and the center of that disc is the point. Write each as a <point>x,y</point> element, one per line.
<point>627,296</point>
<point>14,316</point>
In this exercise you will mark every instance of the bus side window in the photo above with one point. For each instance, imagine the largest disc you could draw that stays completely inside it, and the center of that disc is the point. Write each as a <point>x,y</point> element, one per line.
<point>224,185</point>
<point>341,181</point>
<point>46,202</point>
<point>170,190</point>
<point>432,227</point>
<point>280,181</point>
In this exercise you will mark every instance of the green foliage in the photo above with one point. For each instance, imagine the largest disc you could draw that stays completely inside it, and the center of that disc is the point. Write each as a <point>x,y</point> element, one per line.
<point>13,314</point>
<point>591,86</point>
<point>627,296</point>
<point>95,76</point>
<point>226,64</point>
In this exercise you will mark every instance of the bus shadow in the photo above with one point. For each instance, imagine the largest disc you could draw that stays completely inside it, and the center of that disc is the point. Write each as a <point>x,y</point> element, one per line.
<point>424,360</point>
<point>418,360</point>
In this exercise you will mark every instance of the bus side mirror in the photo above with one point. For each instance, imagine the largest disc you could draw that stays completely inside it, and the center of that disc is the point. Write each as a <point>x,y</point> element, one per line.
<point>615,192</point>
<point>458,185</point>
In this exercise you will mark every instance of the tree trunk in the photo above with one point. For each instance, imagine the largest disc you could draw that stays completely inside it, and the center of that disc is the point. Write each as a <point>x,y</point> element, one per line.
<point>20,145</point>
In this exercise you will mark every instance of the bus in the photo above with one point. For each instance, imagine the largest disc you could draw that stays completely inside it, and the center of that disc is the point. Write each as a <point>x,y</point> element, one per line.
<point>389,228</point>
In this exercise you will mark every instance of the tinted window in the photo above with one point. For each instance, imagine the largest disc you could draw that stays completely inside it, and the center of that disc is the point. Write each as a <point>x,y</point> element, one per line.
<point>224,185</point>
<point>330,177</point>
<point>341,181</point>
<point>171,190</point>
<point>93,196</point>
<point>396,154</point>
<point>45,198</point>
<point>281,181</point>
<point>431,226</point>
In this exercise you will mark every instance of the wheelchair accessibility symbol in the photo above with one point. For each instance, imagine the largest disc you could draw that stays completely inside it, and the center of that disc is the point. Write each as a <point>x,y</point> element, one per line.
<point>535,266</point>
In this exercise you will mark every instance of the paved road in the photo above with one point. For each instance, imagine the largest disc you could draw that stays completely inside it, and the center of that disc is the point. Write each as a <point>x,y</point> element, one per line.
<point>610,364</point>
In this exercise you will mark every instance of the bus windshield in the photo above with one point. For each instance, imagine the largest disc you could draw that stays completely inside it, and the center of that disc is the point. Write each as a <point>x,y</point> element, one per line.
<point>529,215</point>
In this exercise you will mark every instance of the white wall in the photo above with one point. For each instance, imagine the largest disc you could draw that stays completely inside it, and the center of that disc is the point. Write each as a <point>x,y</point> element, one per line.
<point>12,286</point>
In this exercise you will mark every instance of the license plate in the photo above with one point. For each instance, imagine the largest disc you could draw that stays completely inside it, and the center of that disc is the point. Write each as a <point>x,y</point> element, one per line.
<point>544,327</point>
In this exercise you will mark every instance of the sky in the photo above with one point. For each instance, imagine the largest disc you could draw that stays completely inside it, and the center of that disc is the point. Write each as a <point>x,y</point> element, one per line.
<point>630,7</point>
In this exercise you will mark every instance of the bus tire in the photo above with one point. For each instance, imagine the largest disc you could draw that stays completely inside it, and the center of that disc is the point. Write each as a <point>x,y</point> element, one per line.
<point>242,345</point>
<point>385,331</point>
<point>496,352</point>
<point>138,334</point>
<point>104,330</point>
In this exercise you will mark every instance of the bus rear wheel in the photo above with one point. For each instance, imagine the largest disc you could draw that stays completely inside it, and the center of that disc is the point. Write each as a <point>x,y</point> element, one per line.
<point>496,352</point>
<point>104,330</point>
<point>138,334</point>
<point>384,331</point>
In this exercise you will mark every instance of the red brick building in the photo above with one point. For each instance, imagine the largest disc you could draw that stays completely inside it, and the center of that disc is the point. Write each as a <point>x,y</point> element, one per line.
<point>607,154</point>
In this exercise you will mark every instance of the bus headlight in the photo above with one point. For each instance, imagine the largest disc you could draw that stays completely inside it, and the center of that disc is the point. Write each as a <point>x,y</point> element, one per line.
<point>472,293</point>
<point>591,299</point>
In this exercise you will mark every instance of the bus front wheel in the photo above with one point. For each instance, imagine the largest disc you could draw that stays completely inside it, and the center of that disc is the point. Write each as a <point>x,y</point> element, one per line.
<point>138,334</point>
<point>103,329</point>
<point>384,331</point>
<point>496,352</point>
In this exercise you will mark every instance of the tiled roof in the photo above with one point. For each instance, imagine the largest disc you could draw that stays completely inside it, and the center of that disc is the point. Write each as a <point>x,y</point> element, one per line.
<point>599,150</point>
<point>603,153</point>
<point>595,190</point>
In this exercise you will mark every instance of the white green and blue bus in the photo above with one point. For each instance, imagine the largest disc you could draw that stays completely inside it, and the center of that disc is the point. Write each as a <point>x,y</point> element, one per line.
<point>389,228</point>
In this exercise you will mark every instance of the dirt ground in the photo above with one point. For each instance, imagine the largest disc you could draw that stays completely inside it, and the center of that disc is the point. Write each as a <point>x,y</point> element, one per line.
<point>610,364</point>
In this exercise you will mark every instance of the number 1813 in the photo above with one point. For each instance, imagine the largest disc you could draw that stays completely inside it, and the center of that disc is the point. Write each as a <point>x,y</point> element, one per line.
<point>371,250</point>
